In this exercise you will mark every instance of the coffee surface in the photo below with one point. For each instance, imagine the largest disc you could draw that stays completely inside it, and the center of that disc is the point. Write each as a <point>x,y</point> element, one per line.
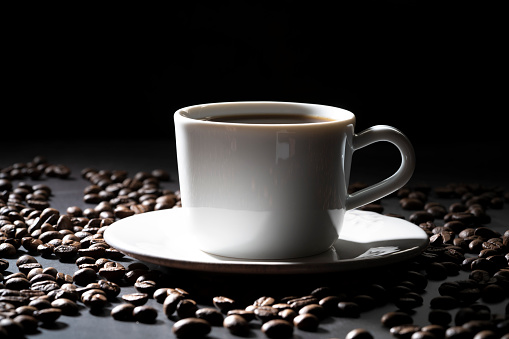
<point>269,118</point>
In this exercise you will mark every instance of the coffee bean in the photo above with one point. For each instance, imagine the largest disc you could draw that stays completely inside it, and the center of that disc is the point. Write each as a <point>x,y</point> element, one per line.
<point>306,322</point>
<point>266,313</point>
<point>315,310</point>
<point>48,315</point>
<point>411,204</point>
<point>439,317</point>
<point>359,333</point>
<point>277,328</point>
<point>7,250</point>
<point>11,328</point>
<point>186,308</point>
<point>287,314</point>
<point>392,319</point>
<point>404,331</point>
<point>457,332</point>
<point>423,335</point>
<point>224,304</point>
<point>297,303</point>
<point>236,325</point>
<point>136,299</point>
<point>493,293</point>
<point>111,289</point>
<point>191,328</point>
<point>420,217</point>
<point>170,303</point>
<point>66,252</point>
<point>67,306</point>
<point>123,312</point>
<point>17,283</point>
<point>145,314</point>
<point>84,276</point>
<point>116,273</point>
<point>212,316</point>
<point>444,302</point>
<point>348,309</point>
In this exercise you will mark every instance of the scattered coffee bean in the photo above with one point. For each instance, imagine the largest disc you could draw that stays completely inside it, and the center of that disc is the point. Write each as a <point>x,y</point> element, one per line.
<point>236,324</point>
<point>191,328</point>
<point>213,316</point>
<point>392,319</point>
<point>277,328</point>
<point>123,312</point>
<point>136,299</point>
<point>145,314</point>
<point>359,333</point>
<point>306,322</point>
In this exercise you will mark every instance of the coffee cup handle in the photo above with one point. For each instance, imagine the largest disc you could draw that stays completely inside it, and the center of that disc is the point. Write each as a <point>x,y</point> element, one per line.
<point>395,181</point>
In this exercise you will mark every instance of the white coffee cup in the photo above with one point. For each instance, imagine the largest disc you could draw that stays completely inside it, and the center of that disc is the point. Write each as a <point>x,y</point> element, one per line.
<point>273,190</point>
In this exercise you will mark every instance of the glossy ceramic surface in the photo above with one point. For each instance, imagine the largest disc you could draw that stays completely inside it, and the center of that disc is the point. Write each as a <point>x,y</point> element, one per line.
<point>367,239</point>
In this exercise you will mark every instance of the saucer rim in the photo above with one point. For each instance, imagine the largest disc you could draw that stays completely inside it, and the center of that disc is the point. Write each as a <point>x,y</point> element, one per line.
<point>260,266</point>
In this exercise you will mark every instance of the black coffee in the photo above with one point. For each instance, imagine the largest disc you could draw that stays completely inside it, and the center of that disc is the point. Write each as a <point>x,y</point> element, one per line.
<point>269,118</point>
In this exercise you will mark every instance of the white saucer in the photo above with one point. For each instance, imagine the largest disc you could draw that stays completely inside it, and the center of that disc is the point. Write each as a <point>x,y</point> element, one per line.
<point>367,239</point>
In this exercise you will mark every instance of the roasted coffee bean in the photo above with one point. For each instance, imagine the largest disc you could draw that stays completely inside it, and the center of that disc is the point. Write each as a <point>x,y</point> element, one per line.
<point>123,312</point>
<point>444,303</point>
<point>160,294</point>
<point>4,264</point>
<point>330,304</point>
<point>146,286</point>
<point>170,303</point>
<point>136,299</point>
<point>437,330</point>
<point>66,252</point>
<point>264,301</point>
<point>11,328</point>
<point>411,204</point>
<point>287,314</point>
<point>436,271</point>
<point>191,328</point>
<point>28,322</point>
<point>40,277</point>
<point>145,314</point>
<point>17,283</point>
<point>404,331</point>
<point>111,289</point>
<point>315,310</point>
<point>348,309</point>
<point>493,293</point>
<point>224,304</point>
<point>420,217</point>
<point>116,273</point>
<point>408,301</point>
<point>266,313</point>
<point>67,306</point>
<point>84,276</point>
<point>457,332</point>
<point>48,315</point>
<point>306,322</point>
<point>439,317</point>
<point>7,250</point>
<point>359,333</point>
<point>236,325</point>
<point>277,328</point>
<point>186,308</point>
<point>298,303</point>
<point>392,319</point>
<point>212,315</point>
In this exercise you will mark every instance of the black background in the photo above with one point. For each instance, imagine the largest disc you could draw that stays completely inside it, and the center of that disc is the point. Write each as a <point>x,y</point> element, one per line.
<point>436,71</point>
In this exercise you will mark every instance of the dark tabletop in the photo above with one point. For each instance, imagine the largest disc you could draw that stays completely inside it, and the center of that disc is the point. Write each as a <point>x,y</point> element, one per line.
<point>434,169</point>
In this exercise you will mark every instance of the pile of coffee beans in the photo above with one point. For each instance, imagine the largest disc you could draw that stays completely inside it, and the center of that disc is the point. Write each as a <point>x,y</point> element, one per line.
<point>34,296</point>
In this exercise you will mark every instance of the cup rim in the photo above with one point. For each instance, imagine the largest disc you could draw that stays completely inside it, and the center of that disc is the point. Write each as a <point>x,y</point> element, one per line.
<point>199,113</point>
